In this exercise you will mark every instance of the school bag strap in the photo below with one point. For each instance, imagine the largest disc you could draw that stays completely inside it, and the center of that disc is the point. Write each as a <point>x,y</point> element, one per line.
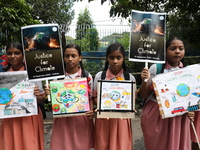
<point>126,75</point>
<point>159,68</point>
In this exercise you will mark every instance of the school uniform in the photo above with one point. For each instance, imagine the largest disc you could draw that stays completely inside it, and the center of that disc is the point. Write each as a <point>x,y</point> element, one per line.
<point>164,134</point>
<point>112,134</point>
<point>73,133</point>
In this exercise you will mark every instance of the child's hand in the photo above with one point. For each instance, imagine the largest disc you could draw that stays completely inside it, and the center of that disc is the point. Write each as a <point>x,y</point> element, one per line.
<point>145,74</point>
<point>90,114</point>
<point>36,91</point>
<point>47,90</point>
<point>191,115</point>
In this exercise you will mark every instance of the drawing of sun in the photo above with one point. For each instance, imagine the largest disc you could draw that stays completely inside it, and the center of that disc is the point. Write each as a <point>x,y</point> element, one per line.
<point>183,89</point>
<point>107,103</point>
<point>5,96</point>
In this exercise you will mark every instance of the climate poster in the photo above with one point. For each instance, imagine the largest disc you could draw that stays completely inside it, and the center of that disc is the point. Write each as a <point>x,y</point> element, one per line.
<point>178,92</point>
<point>43,53</point>
<point>147,37</point>
<point>17,97</point>
<point>115,99</point>
<point>69,97</point>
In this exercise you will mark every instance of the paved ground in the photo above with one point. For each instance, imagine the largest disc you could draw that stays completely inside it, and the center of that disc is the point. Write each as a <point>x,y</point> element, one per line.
<point>137,133</point>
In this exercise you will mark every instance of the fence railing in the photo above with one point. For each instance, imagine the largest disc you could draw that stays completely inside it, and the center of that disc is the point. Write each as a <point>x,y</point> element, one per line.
<point>97,38</point>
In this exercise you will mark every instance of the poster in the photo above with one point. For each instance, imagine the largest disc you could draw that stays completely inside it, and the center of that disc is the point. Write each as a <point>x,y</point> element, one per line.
<point>69,97</point>
<point>116,99</point>
<point>147,37</point>
<point>17,97</point>
<point>43,53</point>
<point>178,92</point>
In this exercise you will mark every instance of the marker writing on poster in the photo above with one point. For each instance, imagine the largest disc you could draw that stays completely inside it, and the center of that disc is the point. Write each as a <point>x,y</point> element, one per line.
<point>43,62</point>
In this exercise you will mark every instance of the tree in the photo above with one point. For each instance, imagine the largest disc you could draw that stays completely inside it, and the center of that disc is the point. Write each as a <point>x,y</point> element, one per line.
<point>14,14</point>
<point>53,11</point>
<point>86,32</point>
<point>183,13</point>
<point>84,22</point>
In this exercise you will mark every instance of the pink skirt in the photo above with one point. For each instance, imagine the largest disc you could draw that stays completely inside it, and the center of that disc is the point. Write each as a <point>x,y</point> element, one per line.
<point>72,133</point>
<point>164,134</point>
<point>22,133</point>
<point>197,127</point>
<point>113,134</point>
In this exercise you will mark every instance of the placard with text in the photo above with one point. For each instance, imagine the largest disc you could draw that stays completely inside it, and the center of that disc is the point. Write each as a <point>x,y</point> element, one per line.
<point>42,50</point>
<point>147,37</point>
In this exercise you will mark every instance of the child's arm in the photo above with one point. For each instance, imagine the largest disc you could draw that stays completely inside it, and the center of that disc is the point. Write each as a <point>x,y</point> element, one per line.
<point>40,97</point>
<point>144,89</point>
<point>191,115</point>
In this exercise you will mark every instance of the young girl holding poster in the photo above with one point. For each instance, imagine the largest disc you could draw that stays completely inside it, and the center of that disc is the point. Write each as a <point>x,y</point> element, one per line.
<point>21,133</point>
<point>170,133</point>
<point>113,134</point>
<point>74,133</point>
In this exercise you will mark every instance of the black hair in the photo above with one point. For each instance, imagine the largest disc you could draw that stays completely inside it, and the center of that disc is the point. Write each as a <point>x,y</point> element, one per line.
<point>17,45</point>
<point>77,47</point>
<point>111,48</point>
<point>167,44</point>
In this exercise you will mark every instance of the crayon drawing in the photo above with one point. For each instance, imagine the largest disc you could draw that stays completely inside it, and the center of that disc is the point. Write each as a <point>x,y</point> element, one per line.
<point>178,92</point>
<point>17,97</point>
<point>69,97</point>
<point>115,96</point>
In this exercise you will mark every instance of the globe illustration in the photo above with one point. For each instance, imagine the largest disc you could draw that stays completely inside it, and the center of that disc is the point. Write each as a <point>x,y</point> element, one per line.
<point>5,96</point>
<point>183,89</point>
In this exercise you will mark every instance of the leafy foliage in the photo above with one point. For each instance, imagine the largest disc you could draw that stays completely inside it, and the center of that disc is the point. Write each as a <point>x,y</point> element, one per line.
<point>53,11</point>
<point>86,32</point>
<point>14,14</point>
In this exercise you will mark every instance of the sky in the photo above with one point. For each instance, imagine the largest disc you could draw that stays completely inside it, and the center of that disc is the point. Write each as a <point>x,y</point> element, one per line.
<point>99,13</point>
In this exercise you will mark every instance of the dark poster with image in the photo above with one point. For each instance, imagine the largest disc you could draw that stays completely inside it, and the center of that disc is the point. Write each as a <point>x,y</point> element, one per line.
<point>43,53</point>
<point>147,37</point>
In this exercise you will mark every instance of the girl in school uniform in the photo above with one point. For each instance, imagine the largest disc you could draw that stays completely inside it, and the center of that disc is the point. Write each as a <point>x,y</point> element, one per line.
<point>22,133</point>
<point>113,134</point>
<point>74,133</point>
<point>170,133</point>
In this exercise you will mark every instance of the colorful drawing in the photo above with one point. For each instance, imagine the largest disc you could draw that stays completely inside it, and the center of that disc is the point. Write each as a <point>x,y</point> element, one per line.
<point>116,95</point>
<point>69,97</point>
<point>17,97</point>
<point>178,92</point>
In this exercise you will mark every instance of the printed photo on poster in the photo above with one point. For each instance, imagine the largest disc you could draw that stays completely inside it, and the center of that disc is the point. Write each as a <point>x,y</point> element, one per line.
<point>147,37</point>
<point>178,92</point>
<point>43,53</point>
<point>69,97</point>
<point>17,97</point>
<point>115,97</point>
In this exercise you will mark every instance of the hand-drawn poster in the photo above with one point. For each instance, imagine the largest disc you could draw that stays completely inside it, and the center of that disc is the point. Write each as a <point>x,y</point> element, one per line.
<point>147,37</point>
<point>17,97</point>
<point>115,99</point>
<point>69,97</point>
<point>178,92</point>
<point>43,52</point>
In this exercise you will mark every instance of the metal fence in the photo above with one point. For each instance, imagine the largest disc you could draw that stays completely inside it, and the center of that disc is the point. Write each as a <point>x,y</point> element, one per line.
<point>105,35</point>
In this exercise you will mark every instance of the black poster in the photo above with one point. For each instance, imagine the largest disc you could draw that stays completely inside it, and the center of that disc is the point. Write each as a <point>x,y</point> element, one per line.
<point>147,37</point>
<point>43,53</point>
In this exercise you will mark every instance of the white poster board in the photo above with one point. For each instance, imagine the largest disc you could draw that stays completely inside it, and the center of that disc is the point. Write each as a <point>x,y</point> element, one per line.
<point>116,99</point>
<point>178,92</point>
<point>17,97</point>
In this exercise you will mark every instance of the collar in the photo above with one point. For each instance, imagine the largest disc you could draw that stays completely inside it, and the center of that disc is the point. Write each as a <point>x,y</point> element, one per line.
<point>21,69</point>
<point>168,66</point>
<point>79,73</point>
<point>110,76</point>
